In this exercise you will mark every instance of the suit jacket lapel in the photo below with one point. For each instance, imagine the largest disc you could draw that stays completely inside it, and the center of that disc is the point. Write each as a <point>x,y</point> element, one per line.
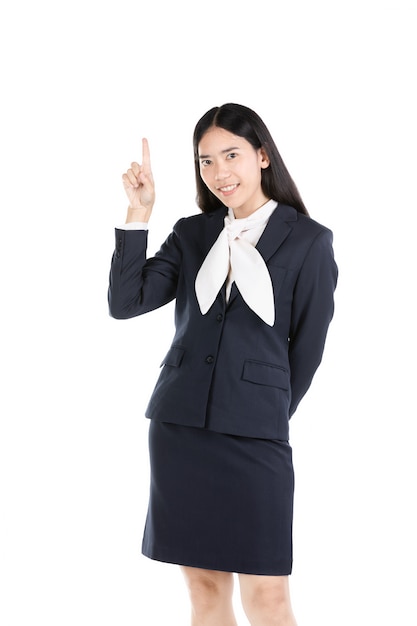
<point>276,231</point>
<point>214,228</point>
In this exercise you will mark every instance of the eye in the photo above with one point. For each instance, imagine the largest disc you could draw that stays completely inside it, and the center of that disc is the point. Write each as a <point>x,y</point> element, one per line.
<point>232,155</point>
<point>205,162</point>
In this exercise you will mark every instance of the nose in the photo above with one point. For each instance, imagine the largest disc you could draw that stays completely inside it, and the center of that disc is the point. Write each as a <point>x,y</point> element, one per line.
<point>221,172</point>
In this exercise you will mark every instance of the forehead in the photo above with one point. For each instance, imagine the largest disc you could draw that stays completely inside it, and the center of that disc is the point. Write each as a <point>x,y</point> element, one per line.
<point>216,140</point>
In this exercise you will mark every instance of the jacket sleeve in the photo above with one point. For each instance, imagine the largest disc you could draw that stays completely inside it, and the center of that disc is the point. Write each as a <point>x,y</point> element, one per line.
<point>313,307</point>
<point>137,284</point>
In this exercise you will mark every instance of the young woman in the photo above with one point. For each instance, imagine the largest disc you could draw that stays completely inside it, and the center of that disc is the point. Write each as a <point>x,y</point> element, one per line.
<point>253,277</point>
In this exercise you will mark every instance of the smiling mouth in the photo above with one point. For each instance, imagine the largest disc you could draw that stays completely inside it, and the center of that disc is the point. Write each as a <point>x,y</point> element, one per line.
<point>228,188</point>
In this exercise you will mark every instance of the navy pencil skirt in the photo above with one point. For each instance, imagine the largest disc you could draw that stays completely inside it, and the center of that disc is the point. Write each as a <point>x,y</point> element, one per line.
<point>219,501</point>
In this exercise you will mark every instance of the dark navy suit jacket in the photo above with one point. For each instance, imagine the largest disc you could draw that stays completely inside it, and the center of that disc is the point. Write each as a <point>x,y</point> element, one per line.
<point>228,370</point>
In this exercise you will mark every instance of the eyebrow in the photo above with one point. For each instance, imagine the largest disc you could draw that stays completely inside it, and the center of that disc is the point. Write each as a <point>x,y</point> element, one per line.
<point>206,156</point>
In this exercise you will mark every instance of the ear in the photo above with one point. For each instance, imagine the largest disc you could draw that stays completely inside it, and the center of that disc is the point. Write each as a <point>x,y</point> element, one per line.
<point>264,159</point>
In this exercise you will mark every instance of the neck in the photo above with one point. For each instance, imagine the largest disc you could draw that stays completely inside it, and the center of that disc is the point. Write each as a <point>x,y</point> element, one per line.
<point>242,212</point>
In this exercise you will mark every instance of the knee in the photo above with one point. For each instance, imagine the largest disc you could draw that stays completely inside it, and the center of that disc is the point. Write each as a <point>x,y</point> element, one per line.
<point>267,603</point>
<point>204,593</point>
<point>208,590</point>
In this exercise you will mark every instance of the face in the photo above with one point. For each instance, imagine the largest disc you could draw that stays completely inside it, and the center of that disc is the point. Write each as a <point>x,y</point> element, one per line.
<point>231,169</point>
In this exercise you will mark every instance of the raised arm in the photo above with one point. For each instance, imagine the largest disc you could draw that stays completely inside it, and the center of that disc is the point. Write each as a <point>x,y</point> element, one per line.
<point>137,284</point>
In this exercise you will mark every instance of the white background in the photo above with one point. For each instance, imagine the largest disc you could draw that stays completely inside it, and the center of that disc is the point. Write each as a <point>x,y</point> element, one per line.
<point>82,82</point>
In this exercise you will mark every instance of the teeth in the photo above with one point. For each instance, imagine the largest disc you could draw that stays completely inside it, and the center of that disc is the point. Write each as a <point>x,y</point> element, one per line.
<point>228,188</point>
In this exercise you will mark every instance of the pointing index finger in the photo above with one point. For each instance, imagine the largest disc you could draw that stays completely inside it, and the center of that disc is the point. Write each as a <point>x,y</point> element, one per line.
<point>146,155</point>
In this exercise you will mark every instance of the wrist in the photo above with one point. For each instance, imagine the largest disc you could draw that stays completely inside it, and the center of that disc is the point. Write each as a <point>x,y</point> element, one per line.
<point>136,214</point>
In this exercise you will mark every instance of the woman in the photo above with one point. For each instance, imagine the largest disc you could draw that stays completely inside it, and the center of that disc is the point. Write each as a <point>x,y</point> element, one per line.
<point>253,277</point>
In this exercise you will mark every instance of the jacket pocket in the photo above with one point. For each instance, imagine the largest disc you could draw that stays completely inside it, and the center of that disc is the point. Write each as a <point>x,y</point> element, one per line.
<point>173,357</point>
<point>265,374</point>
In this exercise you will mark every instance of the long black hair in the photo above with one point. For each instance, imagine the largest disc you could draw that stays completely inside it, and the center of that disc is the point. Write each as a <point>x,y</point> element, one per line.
<point>276,181</point>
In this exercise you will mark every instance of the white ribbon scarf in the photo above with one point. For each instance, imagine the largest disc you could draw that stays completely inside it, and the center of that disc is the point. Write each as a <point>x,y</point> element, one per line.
<point>233,256</point>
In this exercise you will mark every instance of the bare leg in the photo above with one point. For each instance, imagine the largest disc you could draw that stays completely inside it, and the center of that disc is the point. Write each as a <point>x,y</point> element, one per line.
<point>211,596</point>
<point>266,600</point>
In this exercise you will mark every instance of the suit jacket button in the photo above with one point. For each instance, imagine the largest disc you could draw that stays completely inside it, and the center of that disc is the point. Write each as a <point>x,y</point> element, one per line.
<point>219,318</point>
<point>209,358</point>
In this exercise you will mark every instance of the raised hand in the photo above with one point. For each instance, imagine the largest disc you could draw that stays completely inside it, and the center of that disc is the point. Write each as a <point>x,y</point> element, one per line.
<point>139,186</point>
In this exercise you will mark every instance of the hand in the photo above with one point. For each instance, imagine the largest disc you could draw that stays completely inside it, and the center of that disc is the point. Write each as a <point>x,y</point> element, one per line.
<point>139,186</point>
